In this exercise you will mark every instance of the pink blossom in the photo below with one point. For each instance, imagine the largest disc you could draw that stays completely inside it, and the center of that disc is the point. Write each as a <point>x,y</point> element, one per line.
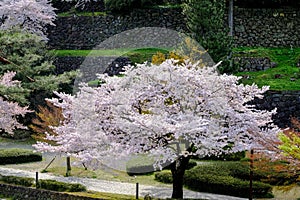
<point>162,110</point>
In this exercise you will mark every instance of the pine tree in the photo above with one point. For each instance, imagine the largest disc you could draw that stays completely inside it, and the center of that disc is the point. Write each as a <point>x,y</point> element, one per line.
<point>206,22</point>
<point>27,55</point>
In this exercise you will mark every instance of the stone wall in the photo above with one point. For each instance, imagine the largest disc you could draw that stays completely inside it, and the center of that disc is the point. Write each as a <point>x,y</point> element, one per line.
<point>286,102</point>
<point>246,64</point>
<point>252,27</point>
<point>86,32</point>
<point>26,193</point>
<point>267,27</point>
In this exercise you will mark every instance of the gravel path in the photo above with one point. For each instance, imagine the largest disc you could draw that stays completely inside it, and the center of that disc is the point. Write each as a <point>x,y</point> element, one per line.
<point>117,187</point>
<point>107,186</point>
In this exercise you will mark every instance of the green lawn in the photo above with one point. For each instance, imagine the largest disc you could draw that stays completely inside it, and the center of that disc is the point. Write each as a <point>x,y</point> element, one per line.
<point>84,14</point>
<point>109,52</point>
<point>286,76</point>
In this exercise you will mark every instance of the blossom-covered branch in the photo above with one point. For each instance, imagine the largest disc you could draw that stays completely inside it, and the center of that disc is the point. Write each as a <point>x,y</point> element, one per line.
<point>169,111</point>
<point>27,15</point>
<point>9,111</point>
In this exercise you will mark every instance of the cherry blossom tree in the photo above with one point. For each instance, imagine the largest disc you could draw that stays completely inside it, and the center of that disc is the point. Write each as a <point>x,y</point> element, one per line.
<point>27,15</point>
<point>9,111</point>
<point>170,111</point>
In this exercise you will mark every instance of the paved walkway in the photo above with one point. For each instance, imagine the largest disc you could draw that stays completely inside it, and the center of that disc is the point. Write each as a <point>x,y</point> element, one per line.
<point>117,187</point>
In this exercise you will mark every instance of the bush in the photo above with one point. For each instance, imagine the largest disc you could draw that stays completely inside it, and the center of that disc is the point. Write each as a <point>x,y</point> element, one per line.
<point>24,181</point>
<point>164,177</point>
<point>16,156</point>
<point>228,157</point>
<point>273,173</point>
<point>226,185</point>
<point>190,165</point>
<point>61,186</point>
<point>240,170</point>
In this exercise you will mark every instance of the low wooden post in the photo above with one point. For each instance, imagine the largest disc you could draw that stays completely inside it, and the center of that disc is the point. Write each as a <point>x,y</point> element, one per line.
<point>251,175</point>
<point>137,191</point>
<point>37,180</point>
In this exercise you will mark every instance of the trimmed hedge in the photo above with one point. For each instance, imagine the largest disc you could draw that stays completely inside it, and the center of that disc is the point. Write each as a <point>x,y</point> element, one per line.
<point>164,177</point>
<point>24,181</point>
<point>44,184</point>
<point>229,178</point>
<point>242,171</point>
<point>141,165</point>
<point>61,186</point>
<point>16,156</point>
<point>228,157</point>
<point>190,165</point>
<point>226,185</point>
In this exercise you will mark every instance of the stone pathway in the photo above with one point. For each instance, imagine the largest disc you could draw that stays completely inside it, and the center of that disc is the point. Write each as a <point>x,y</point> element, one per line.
<point>117,187</point>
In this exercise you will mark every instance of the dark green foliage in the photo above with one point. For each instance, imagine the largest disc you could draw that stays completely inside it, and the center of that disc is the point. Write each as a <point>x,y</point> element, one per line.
<point>15,156</point>
<point>164,177</point>
<point>207,24</point>
<point>190,165</point>
<point>227,185</point>
<point>61,186</point>
<point>228,157</point>
<point>24,181</point>
<point>269,176</point>
<point>27,55</point>
<point>230,178</point>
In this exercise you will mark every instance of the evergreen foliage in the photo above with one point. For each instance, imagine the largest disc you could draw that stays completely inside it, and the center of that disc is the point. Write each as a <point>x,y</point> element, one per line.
<point>206,22</point>
<point>27,55</point>
<point>15,156</point>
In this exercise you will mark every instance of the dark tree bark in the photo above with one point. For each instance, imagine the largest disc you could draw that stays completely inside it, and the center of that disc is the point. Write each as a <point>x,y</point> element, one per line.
<point>178,168</point>
<point>68,173</point>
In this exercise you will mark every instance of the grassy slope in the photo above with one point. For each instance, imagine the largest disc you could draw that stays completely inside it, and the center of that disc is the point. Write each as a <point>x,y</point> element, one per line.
<point>110,52</point>
<point>286,59</point>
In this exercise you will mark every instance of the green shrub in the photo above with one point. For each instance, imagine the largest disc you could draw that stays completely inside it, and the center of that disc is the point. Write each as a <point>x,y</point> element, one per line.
<point>15,156</point>
<point>61,186</point>
<point>24,181</point>
<point>228,157</point>
<point>226,185</point>
<point>164,177</point>
<point>190,165</point>
<point>242,171</point>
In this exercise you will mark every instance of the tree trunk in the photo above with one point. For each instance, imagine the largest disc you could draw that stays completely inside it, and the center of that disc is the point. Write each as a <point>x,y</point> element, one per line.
<point>68,173</point>
<point>178,168</point>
